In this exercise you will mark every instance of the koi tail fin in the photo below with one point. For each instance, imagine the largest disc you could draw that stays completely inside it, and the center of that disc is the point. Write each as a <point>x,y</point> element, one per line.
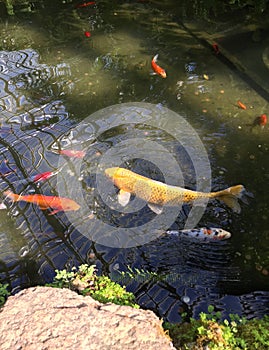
<point>230,197</point>
<point>13,196</point>
<point>155,58</point>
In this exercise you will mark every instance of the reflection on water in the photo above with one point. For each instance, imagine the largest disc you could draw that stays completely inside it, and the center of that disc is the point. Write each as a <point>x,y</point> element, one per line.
<point>52,77</point>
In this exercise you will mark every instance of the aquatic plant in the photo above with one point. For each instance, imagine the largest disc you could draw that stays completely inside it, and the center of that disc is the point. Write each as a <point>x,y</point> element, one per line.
<point>212,333</point>
<point>85,281</point>
<point>3,293</point>
<point>139,274</point>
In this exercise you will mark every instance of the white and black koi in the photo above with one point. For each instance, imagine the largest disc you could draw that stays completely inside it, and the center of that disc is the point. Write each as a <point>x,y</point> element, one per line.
<point>203,233</point>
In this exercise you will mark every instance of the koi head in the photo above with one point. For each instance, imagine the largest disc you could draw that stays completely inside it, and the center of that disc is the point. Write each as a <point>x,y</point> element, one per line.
<point>162,73</point>
<point>57,204</point>
<point>216,233</point>
<point>124,179</point>
<point>69,204</point>
<point>111,173</point>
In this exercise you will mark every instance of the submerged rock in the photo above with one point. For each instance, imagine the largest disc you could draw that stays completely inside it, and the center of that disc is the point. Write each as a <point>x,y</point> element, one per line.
<point>51,318</point>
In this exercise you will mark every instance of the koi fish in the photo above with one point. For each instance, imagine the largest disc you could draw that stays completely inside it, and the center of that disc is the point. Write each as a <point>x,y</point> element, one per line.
<point>87,34</point>
<point>203,233</point>
<point>38,177</point>
<point>216,48</point>
<point>157,194</point>
<point>43,176</point>
<point>261,121</point>
<point>157,69</point>
<point>241,105</point>
<point>70,153</point>
<point>85,4</point>
<point>45,202</point>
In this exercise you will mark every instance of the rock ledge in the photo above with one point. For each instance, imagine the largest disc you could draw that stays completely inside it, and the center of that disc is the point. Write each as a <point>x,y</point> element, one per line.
<point>44,318</point>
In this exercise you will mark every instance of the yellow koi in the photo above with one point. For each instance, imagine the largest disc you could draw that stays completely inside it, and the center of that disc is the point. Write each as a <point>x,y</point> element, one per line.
<point>158,194</point>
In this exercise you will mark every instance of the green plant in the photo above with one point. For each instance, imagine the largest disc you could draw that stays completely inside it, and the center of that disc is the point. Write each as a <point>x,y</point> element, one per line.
<point>85,281</point>
<point>255,333</point>
<point>3,293</point>
<point>212,333</point>
<point>63,278</point>
<point>109,291</point>
<point>139,274</point>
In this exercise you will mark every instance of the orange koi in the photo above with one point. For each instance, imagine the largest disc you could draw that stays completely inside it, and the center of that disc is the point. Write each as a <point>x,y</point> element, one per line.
<point>45,202</point>
<point>157,69</point>
<point>71,153</point>
<point>157,194</point>
<point>241,105</point>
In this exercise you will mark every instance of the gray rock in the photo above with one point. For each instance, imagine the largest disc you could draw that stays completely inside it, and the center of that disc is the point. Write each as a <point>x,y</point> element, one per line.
<point>44,318</point>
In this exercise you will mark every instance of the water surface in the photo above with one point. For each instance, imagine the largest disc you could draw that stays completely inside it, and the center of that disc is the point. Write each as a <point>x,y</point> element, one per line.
<point>53,76</point>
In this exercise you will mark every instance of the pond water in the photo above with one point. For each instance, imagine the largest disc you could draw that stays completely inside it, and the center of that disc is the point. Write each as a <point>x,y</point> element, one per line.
<point>61,69</point>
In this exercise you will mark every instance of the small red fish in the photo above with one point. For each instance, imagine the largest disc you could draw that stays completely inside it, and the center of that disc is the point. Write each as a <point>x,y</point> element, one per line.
<point>71,153</point>
<point>241,105</point>
<point>216,48</point>
<point>157,69</point>
<point>261,120</point>
<point>43,176</point>
<point>87,34</point>
<point>45,202</point>
<point>85,4</point>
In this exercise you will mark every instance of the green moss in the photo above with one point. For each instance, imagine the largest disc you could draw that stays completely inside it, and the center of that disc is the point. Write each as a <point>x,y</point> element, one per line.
<point>85,281</point>
<point>3,293</point>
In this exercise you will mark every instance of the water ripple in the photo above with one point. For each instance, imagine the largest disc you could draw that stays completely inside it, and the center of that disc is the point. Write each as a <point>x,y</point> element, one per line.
<point>22,77</point>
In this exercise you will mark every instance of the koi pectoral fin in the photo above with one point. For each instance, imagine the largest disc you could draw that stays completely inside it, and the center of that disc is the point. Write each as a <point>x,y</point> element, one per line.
<point>55,211</point>
<point>3,206</point>
<point>124,197</point>
<point>157,209</point>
